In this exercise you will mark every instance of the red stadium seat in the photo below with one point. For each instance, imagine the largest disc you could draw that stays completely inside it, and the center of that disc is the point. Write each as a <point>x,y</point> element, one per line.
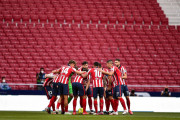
<point>38,34</point>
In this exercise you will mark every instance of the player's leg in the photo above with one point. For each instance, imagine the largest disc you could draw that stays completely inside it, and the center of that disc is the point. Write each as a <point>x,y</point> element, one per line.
<point>66,104</point>
<point>48,90</point>
<point>122,100</point>
<point>75,93</point>
<point>53,99</point>
<point>101,102</point>
<point>62,104</point>
<point>95,99</point>
<point>70,98</point>
<point>58,105</point>
<point>74,104</point>
<point>110,98</point>
<point>59,100</point>
<point>107,102</point>
<point>53,107</point>
<point>111,102</point>
<point>126,94</point>
<point>65,94</point>
<point>116,94</point>
<point>81,101</point>
<point>70,92</point>
<point>82,93</point>
<point>89,94</point>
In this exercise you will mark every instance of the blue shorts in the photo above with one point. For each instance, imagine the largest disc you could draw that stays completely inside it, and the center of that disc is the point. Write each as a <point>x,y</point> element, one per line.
<point>124,89</point>
<point>63,89</point>
<point>108,93</point>
<point>98,91</point>
<point>78,89</point>
<point>55,89</point>
<point>88,92</point>
<point>48,90</point>
<point>116,92</point>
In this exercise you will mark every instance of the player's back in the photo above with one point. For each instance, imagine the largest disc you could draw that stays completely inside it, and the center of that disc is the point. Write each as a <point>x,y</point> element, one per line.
<point>97,77</point>
<point>117,75</point>
<point>48,82</point>
<point>123,72</point>
<point>80,79</point>
<point>65,72</point>
<point>117,71</point>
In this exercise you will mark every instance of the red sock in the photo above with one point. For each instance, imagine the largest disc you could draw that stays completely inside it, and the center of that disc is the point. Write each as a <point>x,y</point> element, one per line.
<point>53,106</point>
<point>128,103</point>
<point>107,105</point>
<point>66,108</point>
<point>90,102</point>
<point>112,103</point>
<point>101,105</point>
<point>95,105</point>
<point>58,104</point>
<point>84,104</point>
<point>52,101</point>
<point>81,102</point>
<point>62,106</point>
<point>123,103</point>
<point>74,105</point>
<point>115,105</point>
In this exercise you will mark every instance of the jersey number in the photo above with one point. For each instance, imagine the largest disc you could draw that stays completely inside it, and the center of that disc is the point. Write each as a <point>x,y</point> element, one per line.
<point>97,73</point>
<point>65,70</point>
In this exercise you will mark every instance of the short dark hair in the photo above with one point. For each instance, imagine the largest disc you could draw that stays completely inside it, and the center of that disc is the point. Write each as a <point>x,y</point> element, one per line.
<point>2,77</point>
<point>85,69</point>
<point>41,68</point>
<point>132,91</point>
<point>96,64</point>
<point>109,61</point>
<point>72,62</point>
<point>117,60</point>
<point>84,63</point>
<point>99,65</point>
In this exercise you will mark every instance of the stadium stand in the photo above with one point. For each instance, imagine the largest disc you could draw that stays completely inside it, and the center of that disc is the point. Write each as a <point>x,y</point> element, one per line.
<point>172,10</point>
<point>47,33</point>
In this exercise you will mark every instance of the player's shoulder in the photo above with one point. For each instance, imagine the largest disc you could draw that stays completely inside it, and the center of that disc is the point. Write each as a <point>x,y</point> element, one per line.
<point>105,69</point>
<point>63,67</point>
<point>80,68</point>
<point>114,67</point>
<point>72,68</point>
<point>123,67</point>
<point>91,69</point>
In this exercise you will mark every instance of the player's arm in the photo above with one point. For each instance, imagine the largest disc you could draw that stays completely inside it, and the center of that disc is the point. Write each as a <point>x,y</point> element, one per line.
<point>84,75</point>
<point>105,83</point>
<point>79,72</point>
<point>56,71</point>
<point>162,92</point>
<point>50,75</point>
<point>106,73</point>
<point>87,85</point>
<point>110,82</point>
<point>124,76</point>
<point>37,76</point>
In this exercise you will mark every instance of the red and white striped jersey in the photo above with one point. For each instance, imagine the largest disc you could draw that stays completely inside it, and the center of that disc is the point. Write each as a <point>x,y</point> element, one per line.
<point>48,82</point>
<point>65,72</point>
<point>117,76</point>
<point>80,79</point>
<point>107,81</point>
<point>123,72</point>
<point>97,77</point>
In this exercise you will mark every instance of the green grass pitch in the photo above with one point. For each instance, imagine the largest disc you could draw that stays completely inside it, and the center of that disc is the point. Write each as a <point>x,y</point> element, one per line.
<point>15,115</point>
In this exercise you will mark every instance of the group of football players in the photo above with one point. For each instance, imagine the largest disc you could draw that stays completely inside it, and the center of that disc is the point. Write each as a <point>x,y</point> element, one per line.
<point>109,84</point>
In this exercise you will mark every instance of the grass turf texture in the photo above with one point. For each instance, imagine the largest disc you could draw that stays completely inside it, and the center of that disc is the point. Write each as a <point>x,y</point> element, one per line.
<point>14,115</point>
